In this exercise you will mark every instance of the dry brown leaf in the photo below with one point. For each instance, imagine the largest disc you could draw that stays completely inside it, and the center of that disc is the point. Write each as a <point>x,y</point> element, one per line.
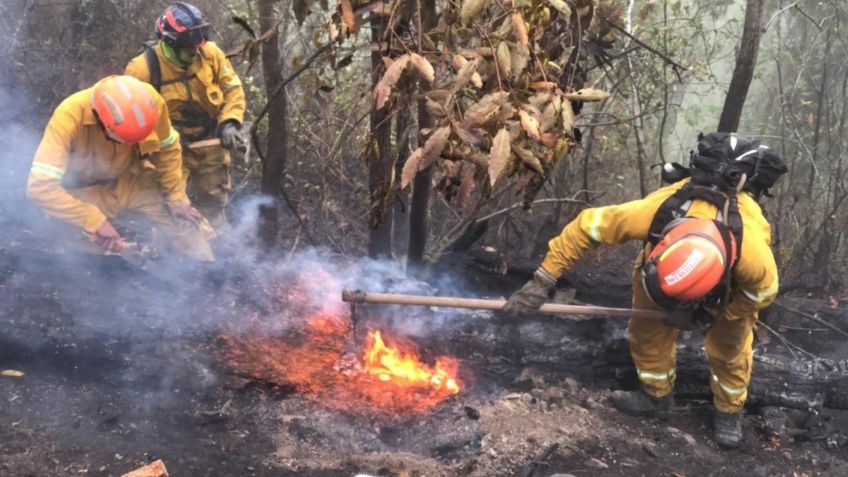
<point>482,111</point>
<point>519,28</point>
<point>539,100</point>
<point>436,109</point>
<point>478,158</point>
<point>567,117</point>
<point>348,17</point>
<point>458,61</point>
<point>410,168</point>
<point>520,58</point>
<point>549,140</point>
<point>504,60</point>
<point>476,80</point>
<point>451,169</point>
<point>464,74</point>
<point>562,7</point>
<point>834,303</point>
<point>528,159</point>
<point>550,114</point>
<point>499,155</point>
<point>434,146</point>
<point>384,87</point>
<point>514,128</point>
<point>470,137</point>
<point>587,95</point>
<point>438,95</point>
<point>543,85</point>
<point>504,29</point>
<point>505,112</point>
<point>423,66</point>
<point>529,124</point>
<point>466,187</point>
<point>472,8</point>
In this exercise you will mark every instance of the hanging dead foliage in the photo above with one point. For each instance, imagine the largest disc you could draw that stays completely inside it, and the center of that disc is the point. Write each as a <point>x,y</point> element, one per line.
<point>502,86</point>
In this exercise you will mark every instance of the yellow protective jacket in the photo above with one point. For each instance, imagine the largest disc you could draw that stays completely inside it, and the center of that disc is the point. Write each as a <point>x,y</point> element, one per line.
<point>209,84</point>
<point>76,153</point>
<point>754,276</point>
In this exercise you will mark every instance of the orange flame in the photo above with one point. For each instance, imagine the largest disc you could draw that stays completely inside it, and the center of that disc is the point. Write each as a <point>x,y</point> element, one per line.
<point>391,363</point>
<point>311,356</point>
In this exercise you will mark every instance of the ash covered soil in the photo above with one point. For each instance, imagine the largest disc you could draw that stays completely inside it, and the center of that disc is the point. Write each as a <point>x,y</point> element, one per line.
<point>119,371</point>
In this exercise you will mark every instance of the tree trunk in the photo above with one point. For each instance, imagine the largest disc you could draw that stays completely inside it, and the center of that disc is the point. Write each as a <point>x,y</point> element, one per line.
<point>400,232</point>
<point>421,185</point>
<point>746,60</point>
<point>276,152</point>
<point>379,161</point>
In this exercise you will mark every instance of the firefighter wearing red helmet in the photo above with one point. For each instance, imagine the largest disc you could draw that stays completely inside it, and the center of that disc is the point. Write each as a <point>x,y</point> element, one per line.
<point>205,100</point>
<point>702,265</point>
<point>109,149</point>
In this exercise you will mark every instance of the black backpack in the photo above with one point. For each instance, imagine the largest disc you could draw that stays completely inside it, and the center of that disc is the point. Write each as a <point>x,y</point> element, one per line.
<point>716,170</point>
<point>722,158</point>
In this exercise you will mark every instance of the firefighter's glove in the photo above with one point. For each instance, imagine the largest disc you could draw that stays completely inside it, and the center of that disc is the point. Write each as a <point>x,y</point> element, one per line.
<point>685,318</point>
<point>185,212</point>
<point>531,296</point>
<point>231,136</point>
<point>107,237</point>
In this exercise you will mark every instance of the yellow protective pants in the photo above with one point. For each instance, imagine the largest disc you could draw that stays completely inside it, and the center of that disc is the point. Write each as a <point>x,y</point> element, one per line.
<point>207,172</point>
<point>140,193</point>
<point>728,346</point>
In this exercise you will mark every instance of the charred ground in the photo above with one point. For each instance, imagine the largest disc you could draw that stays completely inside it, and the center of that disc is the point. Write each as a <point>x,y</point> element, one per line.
<point>120,370</point>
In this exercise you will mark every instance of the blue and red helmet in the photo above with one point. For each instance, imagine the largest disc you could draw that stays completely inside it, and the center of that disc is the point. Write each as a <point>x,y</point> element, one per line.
<point>182,26</point>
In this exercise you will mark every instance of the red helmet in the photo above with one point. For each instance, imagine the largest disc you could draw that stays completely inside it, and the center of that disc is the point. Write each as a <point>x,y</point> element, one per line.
<point>689,262</point>
<point>125,108</point>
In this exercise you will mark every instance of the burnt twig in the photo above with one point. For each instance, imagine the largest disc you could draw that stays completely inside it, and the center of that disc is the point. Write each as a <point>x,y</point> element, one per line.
<point>677,66</point>
<point>812,317</point>
<point>540,460</point>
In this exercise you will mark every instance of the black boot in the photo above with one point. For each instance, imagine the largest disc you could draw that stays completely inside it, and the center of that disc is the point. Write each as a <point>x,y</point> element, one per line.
<point>640,403</point>
<point>727,429</point>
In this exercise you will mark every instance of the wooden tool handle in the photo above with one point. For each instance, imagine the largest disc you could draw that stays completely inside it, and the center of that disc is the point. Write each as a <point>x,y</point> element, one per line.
<point>206,143</point>
<point>482,304</point>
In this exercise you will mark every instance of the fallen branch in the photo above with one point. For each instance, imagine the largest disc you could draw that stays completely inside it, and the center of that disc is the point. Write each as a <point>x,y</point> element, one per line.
<point>789,345</point>
<point>812,317</point>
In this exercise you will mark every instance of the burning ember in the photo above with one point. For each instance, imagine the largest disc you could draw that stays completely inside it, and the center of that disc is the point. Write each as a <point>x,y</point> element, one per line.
<point>386,377</point>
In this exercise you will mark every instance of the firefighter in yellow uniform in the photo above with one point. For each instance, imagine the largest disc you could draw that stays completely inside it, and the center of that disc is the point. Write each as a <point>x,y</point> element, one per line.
<point>205,99</point>
<point>652,342</point>
<point>108,149</point>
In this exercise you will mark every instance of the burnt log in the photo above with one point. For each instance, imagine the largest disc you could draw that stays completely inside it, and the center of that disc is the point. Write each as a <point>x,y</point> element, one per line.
<point>596,353</point>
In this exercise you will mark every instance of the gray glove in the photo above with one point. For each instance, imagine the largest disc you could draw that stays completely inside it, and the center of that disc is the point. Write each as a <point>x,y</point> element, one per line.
<point>230,135</point>
<point>531,296</point>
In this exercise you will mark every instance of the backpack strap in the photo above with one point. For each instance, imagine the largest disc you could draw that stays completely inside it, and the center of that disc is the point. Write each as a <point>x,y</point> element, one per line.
<point>677,205</point>
<point>674,207</point>
<point>153,66</point>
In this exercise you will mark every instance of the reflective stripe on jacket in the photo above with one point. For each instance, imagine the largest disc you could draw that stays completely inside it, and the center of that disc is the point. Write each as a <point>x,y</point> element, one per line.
<point>74,152</point>
<point>755,275</point>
